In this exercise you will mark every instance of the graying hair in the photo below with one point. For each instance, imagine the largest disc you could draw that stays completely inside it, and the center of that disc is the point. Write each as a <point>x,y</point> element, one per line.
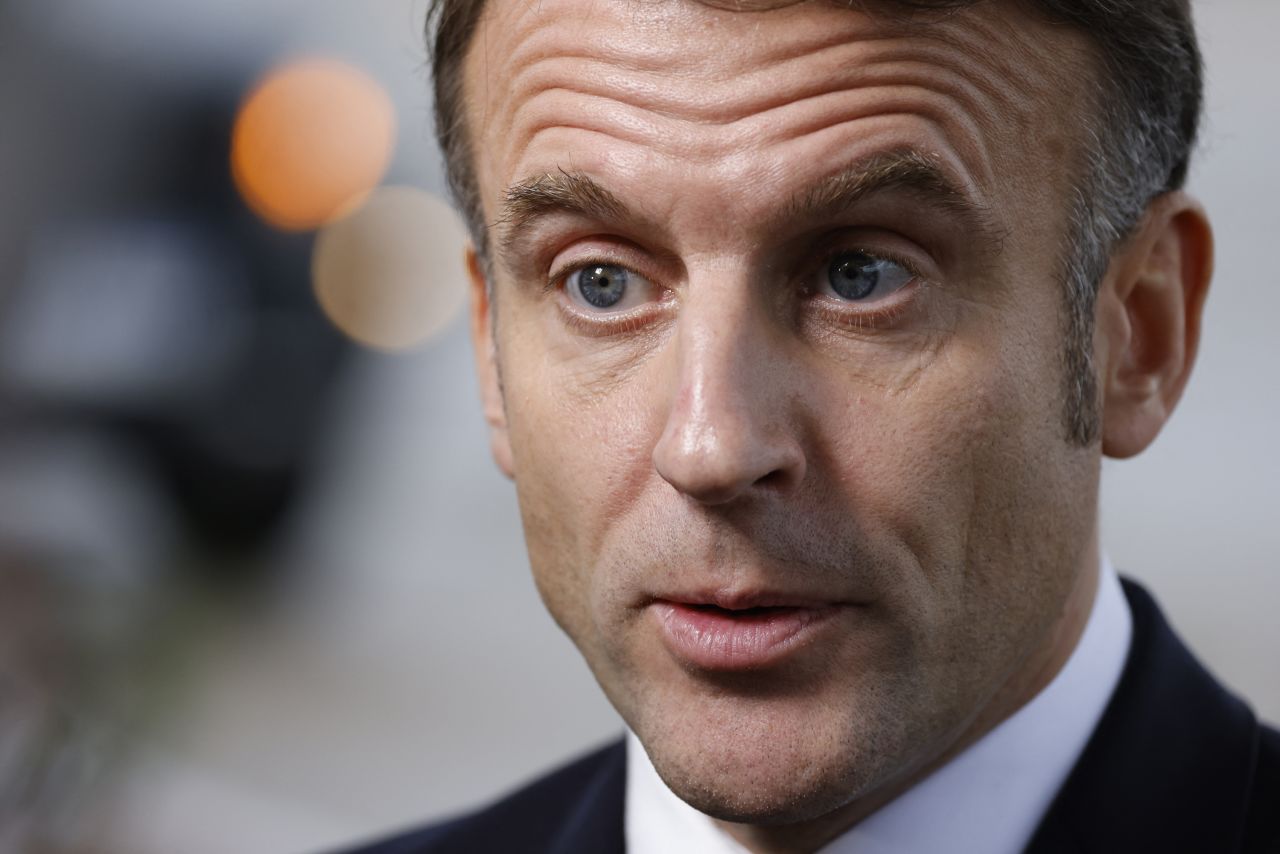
<point>1137,146</point>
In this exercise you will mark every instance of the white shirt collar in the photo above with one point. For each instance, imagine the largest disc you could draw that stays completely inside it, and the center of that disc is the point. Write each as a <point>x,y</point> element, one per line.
<point>992,796</point>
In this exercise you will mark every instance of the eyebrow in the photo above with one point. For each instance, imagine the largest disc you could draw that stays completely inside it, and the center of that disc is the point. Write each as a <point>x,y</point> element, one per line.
<point>576,193</point>
<point>905,170</point>
<point>555,192</point>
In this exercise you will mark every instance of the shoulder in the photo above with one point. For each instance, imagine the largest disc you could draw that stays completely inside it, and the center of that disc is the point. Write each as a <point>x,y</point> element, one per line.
<point>1262,830</point>
<point>582,800</point>
<point>1177,763</point>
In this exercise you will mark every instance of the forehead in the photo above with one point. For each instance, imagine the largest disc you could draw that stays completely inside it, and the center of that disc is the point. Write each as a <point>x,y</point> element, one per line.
<point>748,101</point>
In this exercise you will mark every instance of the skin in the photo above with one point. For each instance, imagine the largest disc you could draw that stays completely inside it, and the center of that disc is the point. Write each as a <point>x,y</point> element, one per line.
<point>738,427</point>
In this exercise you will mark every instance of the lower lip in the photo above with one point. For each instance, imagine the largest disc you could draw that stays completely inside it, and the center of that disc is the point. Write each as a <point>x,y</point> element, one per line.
<point>716,639</point>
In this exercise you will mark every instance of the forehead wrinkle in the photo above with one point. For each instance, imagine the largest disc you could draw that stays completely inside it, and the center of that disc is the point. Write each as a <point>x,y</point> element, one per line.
<point>821,115</point>
<point>731,95</point>
<point>542,33</point>
<point>1038,63</point>
<point>930,75</point>
<point>1038,52</point>
<point>718,104</point>
<point>652,42</point>
<point>572,108</point>
<point>872,91</point>
<point>645,68</point>
<point>833,112</point>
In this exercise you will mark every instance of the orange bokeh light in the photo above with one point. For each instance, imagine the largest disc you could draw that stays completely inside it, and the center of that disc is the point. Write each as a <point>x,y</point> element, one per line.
<point>311,141</point>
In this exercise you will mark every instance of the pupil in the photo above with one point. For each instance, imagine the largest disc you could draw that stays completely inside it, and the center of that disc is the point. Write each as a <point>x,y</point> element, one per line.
<point>854,276</point>
<point>603,285</point>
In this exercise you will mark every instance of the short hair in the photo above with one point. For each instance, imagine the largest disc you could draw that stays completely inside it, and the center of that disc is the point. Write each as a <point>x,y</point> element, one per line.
<point>1136,145</point>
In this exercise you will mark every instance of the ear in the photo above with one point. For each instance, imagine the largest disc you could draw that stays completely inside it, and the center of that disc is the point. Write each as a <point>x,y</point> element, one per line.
<point>1149,310</point>
<point>486,356</point>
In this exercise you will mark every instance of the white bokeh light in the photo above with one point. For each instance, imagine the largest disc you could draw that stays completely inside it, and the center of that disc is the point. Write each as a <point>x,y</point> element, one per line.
<point>390,275</point>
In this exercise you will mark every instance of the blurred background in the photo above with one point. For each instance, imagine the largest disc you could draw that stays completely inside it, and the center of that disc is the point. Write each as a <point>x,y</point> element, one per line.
<point>248,520</point>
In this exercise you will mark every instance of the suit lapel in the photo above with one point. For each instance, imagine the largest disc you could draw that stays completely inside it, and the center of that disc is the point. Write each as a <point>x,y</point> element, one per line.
<point>1170,765</point>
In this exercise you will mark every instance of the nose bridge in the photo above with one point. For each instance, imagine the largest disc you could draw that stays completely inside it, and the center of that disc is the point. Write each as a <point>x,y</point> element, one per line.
<point>729,427</point>
<point>721,339</point>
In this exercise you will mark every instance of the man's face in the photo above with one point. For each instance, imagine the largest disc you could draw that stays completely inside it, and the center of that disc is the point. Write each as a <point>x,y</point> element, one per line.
<point>777,321</point>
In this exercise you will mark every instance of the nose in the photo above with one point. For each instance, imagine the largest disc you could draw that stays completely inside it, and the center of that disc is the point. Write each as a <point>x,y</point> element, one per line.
<point>731,430</point>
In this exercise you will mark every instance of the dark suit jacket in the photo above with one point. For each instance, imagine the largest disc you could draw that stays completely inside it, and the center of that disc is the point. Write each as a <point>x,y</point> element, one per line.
<point>1177,764</point>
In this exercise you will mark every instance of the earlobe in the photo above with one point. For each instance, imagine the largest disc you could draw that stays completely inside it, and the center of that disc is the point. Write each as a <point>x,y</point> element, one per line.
<point>486,357</point>
<point>1149,312</point>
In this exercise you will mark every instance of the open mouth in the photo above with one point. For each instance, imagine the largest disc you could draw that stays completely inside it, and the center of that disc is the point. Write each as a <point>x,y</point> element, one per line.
<point>712,637</point>
<point>763,611</point>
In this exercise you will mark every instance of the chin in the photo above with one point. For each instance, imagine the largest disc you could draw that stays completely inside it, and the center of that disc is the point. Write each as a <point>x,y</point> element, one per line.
<point>769,772</point>
<point>781,797</point>
<point>777,808</point>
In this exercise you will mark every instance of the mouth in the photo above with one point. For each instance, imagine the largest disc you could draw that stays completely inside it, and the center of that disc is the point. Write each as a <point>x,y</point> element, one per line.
<point>718,637</point>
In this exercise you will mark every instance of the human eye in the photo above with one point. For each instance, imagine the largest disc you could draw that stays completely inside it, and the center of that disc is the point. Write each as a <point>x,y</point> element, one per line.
<point>855,276</point>
<point>603,288</point>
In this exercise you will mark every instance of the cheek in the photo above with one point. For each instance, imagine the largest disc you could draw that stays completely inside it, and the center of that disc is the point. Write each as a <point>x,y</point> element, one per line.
<point>973,474</point>
<point>582,450</point>
<point>953,465</point>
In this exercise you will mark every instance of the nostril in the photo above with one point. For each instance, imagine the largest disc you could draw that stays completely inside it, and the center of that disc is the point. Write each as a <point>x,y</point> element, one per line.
<point>776,479</point>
